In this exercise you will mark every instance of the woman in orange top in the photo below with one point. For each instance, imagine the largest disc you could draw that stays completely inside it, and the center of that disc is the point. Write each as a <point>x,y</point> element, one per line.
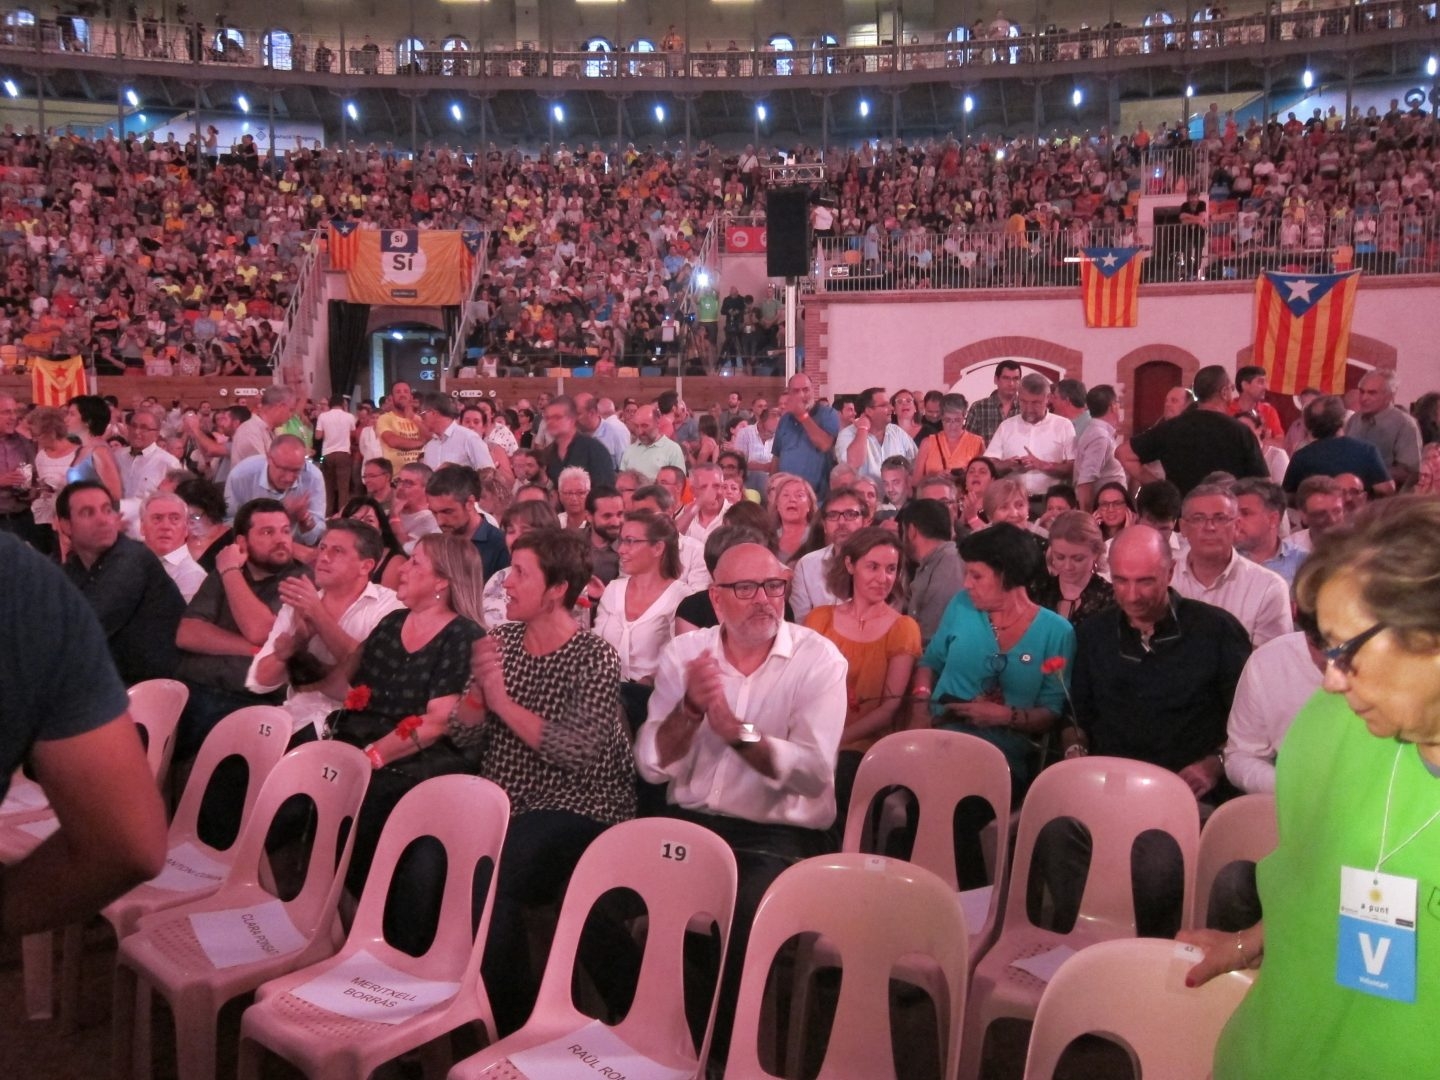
<point>953,447</point>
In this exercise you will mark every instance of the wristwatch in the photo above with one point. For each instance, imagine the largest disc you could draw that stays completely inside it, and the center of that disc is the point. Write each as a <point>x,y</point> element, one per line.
<point>748,735</point>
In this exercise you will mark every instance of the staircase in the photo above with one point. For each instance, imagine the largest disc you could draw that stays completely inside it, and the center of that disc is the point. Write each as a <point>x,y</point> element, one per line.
<point>302,344</point>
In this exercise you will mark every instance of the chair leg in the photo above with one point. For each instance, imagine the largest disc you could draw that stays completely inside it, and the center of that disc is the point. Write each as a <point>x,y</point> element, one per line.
<point>436,1057</point>
<point>123,1010</point>
<point>249,1059</point>
<point>37,960</point>
<point>72,952</point>
<point>196,1023</point>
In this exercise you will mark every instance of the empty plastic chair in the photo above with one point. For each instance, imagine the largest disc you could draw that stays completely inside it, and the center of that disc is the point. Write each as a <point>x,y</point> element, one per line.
<point>686,876</point>
<point>203,953</point>
<point>584,371</point>
<point>156,706</point>
<point>308,1018</point>
<point>1241,830</point>
<point>1132,992</point>
<point>1115,799</point>
<point>873,912</point>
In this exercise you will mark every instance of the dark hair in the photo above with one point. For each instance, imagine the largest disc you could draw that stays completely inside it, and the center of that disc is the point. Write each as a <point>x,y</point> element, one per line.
<point>94,412</point>
<point>950,402</point>
<point>1246,373</point>
<point>1158,500</point>
<point>564,558</point>
<point>385,465</point>
<point>982,459</point>
<point>1267,491</point>
<point>368,541</point>
<point>1315,485</point>
<point>706,423</point>
<point>659,529</point>
<point>738,458</point>
<point>866,397</point>
<point>239,413</point>
<point>444,404</point>
<point>69,491</point>
<point>246,514</point>
<point>1325,416</point>
<point>566,402</point>
<point>598,493</point>
<point>459,482</point>
<point>1063,491</point>
<point>1008,550</point>
<point>748,513</point>
<point>205,495</point>
<point>730,535</point>
<point>1072,391</point>
<point>1007,365</point>
<point>1210,381</point>
<point>653,493</point>
<point>1100,400</point>
<point>665,403</point>
<point>532,513</point>
<point>388,539</point>
<point>896,461</point>
<point>930,518</point>
<point>671,468</point>
<point>860,544</point>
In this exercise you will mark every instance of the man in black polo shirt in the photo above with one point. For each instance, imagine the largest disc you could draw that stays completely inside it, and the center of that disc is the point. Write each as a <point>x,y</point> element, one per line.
<point>1201,440</point>
<point>1154,680</point>
<point>138,605</point>
<point>570,448</point>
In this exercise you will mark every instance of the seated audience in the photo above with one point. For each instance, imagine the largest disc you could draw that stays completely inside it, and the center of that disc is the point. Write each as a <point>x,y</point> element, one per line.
<point>792,508</point>
<point>283,474</point>
<point>1276,682</point>
<point>1260,506</point>
<point>453,494</point>
<point>843,512</point>
<point>163,530</point>
<point>1072,586</point>
<point>952,448</point>
<point>391,562</point>
<point>927,533</point>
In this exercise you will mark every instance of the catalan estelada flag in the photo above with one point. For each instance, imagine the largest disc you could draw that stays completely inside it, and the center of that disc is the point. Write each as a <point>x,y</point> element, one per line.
<point>1302,329</point>
<point>1110,286</point>
<point>471,242</point>
<point>55,382</point>
<point>343,244</point>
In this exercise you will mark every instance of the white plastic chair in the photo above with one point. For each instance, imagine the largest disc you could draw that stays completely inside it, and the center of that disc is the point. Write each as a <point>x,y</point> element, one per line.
<point>1243,829</point>
<point>468,816</point>
<point>874,912</point>
<point>686,876</point>
<point>155,707</point>
<point>1116,799</point>
<point>165,954</point>
<point>1132,991</point>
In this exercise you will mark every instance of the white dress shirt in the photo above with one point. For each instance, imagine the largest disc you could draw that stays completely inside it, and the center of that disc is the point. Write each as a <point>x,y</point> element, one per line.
<point>141,474</point>
<point>1279,678</point>
<point>614,436</point>
<point>795,699</point>
<point>1052,439</point>
<point>457,445</point>
<point>638,641</point>
<point>335,428</point>
<point>807,585</point>
<point>369,445</point>
<point>187,574</point>
<point>360,618</point>
<point>696,531</point>
<point>894,443</point>
<point>1258,597</point>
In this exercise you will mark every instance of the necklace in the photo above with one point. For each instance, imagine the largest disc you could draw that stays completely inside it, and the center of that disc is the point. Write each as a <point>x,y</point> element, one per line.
<point>1024,610</point>
<point>1383,856</point>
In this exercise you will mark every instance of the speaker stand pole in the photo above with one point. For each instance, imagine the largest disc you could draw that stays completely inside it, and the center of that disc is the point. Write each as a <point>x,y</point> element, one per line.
<point>792,295</point>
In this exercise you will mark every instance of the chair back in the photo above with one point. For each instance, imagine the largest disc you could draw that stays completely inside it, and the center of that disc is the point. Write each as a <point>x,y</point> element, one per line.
<point>941,768</point>
<point>468,816</point>
<point>1116,799</point>
<point>873,912</point>
<point>335,776</point>
<point>156,705</point>
<point>684,873</point>
<point>1241,829</point>
<point>1132,991</point>
<point>256,733</point>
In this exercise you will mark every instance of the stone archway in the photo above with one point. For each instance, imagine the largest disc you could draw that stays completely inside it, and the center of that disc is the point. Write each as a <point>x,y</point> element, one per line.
<point>956,363</point>
<point>1127,365</point>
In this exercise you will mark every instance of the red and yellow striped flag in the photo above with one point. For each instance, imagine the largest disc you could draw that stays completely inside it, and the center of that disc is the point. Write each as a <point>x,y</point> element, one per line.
<point>55,382</point>
<point>1110,286</point>
<point>344,242</point>
<point>1302,329</point>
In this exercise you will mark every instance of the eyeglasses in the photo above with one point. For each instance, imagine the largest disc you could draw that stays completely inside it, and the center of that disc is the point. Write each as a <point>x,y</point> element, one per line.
<point>631,541</point>
<point>746,590</point>
<point>833,516</point>
<point>1111,504</point>
<point>1213,521</point>
<point>1343,655</point>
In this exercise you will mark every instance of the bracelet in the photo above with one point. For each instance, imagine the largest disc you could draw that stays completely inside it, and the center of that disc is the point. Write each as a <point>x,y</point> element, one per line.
<point>1240,948</point>
<point>1014,717</point>
<point>920,692</point>
<point>376,761</point>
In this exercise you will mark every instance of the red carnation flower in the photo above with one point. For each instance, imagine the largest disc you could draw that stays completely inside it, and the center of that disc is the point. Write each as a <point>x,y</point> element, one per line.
<point>409,728</point>
<point>1053,666</point>
<point>358,698</point>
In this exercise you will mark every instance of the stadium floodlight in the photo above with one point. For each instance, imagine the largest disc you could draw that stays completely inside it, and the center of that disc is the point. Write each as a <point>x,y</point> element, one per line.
<point>968,103</point>
<point>133,98</point>
<point>1076,97</point>
<point>761,112</point>
<point>351,111</point>
<point>11,88</point>
<point>660,113</point>
<point>864,107</point>
<point>456,112</point>
<point>244,104</point>
<point>558,112</point>
<point>1307,79</point>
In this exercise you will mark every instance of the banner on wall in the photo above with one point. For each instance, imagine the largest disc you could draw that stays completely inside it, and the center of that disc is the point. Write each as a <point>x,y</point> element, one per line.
<point>408,267</point>
<point>55,382</point>
<point>344,237</point>
<point>1302,329</point>
<point>1110,286</point>
<point>743,239</point>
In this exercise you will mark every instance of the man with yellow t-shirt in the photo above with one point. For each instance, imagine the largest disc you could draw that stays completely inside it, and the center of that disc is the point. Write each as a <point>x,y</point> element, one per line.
<point>399,429</point>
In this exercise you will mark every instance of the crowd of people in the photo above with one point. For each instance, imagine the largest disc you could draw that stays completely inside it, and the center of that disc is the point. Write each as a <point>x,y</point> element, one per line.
<point>631,609</point>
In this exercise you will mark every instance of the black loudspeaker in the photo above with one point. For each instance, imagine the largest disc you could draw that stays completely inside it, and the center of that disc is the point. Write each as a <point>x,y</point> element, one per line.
<point>787,232</point>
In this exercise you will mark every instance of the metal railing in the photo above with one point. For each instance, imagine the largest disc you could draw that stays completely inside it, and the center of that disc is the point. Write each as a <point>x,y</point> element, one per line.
<point>1231,247</point>
<point>479,265</point>
<point>300,305</point>
<point>334,53</point>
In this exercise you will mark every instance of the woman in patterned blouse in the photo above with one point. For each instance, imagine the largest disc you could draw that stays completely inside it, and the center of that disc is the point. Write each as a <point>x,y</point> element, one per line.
<point>543,713</point>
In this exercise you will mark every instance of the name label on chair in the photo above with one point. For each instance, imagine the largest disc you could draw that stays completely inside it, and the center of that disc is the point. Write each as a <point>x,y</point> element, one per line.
<point>593,1052</point>
<point>1376,953</point>
<point>366,988</point>
<point>246,935</point>
<point>188,869</point>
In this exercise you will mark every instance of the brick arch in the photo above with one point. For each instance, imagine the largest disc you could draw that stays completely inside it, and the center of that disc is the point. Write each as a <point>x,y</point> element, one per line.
<point>1186,361</point>
<point>1068,360</point>
<point>1372,352</point>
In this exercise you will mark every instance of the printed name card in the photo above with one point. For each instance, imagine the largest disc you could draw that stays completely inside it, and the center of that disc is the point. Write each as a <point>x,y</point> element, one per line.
<point>975,904</point>
<point>24,795</point>
<point>594,1052</point>
<point>42,829</point>
<point>188,869</point>
<point>1044,966</point>
<point>246,935</point>
<point>365,988</point>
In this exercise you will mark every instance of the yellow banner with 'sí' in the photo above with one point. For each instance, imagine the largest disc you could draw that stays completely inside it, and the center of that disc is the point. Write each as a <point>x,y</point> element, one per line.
<point>407,266</point>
